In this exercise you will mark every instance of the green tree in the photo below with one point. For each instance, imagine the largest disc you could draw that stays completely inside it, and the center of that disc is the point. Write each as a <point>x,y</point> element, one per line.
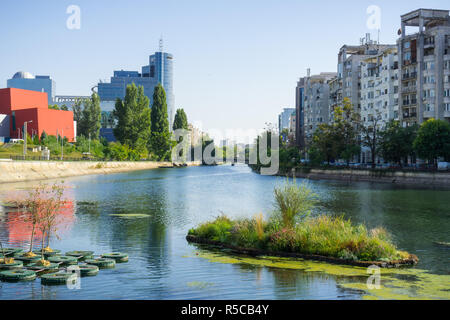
<point>43,138</point>
<point>346,130</point>
<point>91,117</point>
<point>433,140</point>
<point>396,142</point>
<point>133,117</point>
<point>180,121</point>
<point>53,107</point>
<point>370,138</point>
<point>323,145</point>
<point>77,109</point>
<point>161,143</point>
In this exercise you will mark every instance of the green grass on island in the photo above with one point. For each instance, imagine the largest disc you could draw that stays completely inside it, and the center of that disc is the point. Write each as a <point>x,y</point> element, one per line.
<point>293,228</point>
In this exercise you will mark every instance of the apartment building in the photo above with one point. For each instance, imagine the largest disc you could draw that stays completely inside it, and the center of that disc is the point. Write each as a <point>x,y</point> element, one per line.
<point>350,58</point>
<point>379,92</point>
<point>424,66</point>
<point>316,101</point>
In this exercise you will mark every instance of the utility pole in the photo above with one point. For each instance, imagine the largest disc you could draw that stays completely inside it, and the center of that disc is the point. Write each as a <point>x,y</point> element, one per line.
<point>25,135</point>
<point>62,145</point>
<point>24,140</point>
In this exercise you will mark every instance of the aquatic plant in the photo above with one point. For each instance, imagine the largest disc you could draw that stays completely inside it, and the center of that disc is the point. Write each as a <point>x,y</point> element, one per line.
<point>293,202</point>
<point>291,229</point>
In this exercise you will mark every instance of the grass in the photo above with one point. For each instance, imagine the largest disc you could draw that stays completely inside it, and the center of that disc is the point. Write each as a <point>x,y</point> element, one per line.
<point>292,229</point>
<point>323,235</point>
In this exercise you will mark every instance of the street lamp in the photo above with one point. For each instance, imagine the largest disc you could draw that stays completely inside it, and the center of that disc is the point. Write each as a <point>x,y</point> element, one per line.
<point>25,135</point>
<point>62,143</point>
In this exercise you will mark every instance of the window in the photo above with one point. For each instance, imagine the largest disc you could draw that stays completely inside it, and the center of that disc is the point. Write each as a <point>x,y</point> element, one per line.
<point>446,92</point>
<point>407,45</point>
<point>446,106</point>
<point>447,64</point>
<point>430,93</point>
<point>429,79</point>
<point>429,65</point>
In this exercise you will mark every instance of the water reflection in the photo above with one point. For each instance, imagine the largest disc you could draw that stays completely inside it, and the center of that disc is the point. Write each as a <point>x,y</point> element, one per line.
<point>148,213</point>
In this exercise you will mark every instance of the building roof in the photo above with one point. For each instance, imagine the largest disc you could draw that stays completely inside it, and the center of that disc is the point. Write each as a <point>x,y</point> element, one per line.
<point>23,75</point>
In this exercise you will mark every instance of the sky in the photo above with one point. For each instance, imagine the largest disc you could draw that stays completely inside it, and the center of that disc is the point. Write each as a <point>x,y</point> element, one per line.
<point>236,62</point>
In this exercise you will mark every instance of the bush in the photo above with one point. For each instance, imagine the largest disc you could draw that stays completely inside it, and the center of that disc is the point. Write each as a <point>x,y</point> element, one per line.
<point>290,229</point>
<point>292,203</point>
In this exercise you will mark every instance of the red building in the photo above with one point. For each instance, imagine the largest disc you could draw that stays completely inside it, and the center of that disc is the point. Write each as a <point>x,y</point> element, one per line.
<point>32,107</point>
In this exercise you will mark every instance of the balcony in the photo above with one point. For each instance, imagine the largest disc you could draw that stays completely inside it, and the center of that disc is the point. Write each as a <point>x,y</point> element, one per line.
<point>409,89</point>
<point>408,76</point>
<point>428,114</point>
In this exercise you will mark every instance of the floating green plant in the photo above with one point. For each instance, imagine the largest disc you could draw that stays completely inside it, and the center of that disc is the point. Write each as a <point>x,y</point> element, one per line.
<point>130,215</point>
<point>395,283</point>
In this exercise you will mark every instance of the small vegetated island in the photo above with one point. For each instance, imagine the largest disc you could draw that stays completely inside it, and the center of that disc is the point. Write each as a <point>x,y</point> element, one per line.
<point>294,231</point>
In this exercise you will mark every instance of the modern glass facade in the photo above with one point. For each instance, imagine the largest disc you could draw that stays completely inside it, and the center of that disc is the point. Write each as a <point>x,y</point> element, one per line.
<point>159,70</point>
<point>26,81</point>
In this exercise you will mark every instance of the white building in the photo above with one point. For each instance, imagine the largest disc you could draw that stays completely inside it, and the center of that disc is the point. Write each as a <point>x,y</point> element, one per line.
<point>379,92</point>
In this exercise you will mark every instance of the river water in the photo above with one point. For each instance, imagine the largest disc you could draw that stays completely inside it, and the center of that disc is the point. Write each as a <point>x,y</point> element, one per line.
<point>147,214</point>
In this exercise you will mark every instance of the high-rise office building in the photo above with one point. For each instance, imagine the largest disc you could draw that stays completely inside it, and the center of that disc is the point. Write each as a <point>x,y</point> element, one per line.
<point>26,81</point>
<point>159,70</point>
<point>424,59</point>
<point>299,96</point>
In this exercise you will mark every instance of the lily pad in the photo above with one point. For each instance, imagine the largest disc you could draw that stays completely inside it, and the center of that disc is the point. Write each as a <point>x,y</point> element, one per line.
<point>130,215</point>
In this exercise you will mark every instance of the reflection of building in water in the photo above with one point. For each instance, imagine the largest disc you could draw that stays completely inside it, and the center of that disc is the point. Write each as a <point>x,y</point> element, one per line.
<point>18,228</point>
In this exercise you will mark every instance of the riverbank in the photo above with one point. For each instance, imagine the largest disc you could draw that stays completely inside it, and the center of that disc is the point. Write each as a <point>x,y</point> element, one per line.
<point>21,171</point>
<point>432,179</point>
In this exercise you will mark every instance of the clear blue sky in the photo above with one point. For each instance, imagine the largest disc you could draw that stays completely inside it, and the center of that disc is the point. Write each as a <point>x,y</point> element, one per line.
<point>236,61</point>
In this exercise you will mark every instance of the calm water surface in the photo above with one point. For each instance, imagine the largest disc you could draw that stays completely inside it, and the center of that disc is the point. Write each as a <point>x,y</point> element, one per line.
<point>147,214</point>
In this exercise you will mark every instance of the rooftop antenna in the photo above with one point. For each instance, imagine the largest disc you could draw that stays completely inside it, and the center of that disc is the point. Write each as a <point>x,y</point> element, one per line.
<point>161,44</point>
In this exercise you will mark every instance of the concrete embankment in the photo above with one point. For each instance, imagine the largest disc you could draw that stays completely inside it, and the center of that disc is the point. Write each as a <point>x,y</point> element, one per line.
<point>18,171</point>
<point>434,179</point>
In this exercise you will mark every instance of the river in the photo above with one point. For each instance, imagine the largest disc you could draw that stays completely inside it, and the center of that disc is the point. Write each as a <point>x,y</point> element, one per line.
<point>147,214</point>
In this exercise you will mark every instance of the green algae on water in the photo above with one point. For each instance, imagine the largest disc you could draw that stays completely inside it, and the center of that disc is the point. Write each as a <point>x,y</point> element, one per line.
<point>395,284</point>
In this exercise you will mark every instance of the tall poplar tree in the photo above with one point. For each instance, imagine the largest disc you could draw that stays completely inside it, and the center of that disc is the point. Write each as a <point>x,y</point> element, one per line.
<point>180,121</point>
<point>161,144</point>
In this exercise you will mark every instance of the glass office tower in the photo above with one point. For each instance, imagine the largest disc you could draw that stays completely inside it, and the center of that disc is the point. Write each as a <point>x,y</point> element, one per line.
<point>159,70</point>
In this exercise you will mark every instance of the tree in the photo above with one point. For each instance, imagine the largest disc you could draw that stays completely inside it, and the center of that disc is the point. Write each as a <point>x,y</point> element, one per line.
<point>338,140</point>
<point>161,143</point>
<point>323,145</point>
<point>370,138</point>
<point>52,205</point>
<point>180,121</point>
<point>77,114</point>
<point>346,130</point>
<point>34,206</point>
<point>133,117</point>
<point>433,140</point>
<point>396,142</point>
<point>90,122</point>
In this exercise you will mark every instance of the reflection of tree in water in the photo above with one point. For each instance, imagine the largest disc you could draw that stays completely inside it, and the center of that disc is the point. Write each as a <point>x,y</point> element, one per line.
<point>146,234</point>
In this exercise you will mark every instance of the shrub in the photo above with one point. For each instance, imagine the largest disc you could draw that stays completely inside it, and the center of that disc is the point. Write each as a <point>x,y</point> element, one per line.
<point>293,203</point>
